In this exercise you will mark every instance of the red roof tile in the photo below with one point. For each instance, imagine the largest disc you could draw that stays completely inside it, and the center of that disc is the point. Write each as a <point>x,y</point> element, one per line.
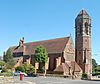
<point>52,46</point>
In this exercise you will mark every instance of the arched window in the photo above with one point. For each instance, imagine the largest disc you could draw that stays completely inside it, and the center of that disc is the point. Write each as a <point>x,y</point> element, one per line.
<point>90,31</point>
<point>86,28</point>
<point>80,28</point>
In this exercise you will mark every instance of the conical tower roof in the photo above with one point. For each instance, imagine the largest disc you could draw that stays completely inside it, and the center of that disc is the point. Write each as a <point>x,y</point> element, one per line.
<point>83,12</point>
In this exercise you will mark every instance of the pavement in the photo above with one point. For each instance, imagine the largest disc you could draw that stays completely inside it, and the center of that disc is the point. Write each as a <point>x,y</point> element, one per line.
<point>14,80</point>
<point>52,80</point>
<point>21,82</point>
<point>48,80</point>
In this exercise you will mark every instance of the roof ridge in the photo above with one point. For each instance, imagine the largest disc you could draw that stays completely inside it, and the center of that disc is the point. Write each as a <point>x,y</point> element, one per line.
<point>47,40</point>
<point>52,46</point>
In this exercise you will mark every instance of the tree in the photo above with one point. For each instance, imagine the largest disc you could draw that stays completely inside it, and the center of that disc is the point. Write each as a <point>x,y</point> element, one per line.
<point>41,56</point>
<point>97,69</point>
<point>9,59</point>
<point>94,65</point>
<point>2,63</point>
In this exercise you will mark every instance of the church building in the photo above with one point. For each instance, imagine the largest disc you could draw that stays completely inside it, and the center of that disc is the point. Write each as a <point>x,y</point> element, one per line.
<point>63,57</point>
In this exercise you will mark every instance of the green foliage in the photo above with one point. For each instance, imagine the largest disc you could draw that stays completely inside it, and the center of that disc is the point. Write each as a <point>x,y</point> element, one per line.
<point>2,63</point>
<point>9,59</point>
<point>8,56</point>
<point>41,55</point>
<point>42,68</point>
<point>4,69</point>
<point>94,65</point>
<point>2,66</point>
<point>29,68</point>
<point>84,75</point>
<point>20,68</point>
<point>96,73</point>
<point>97,69</point>
<point>6,74</point>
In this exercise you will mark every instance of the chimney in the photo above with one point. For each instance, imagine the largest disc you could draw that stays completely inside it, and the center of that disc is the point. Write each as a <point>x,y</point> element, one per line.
<point>21,42</point>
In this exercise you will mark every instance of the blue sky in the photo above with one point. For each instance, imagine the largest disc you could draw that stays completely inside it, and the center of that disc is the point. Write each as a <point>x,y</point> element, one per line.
<point>45,19</point>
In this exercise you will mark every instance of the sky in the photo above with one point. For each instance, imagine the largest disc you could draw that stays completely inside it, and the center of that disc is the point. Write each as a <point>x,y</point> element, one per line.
<point>45,19</point>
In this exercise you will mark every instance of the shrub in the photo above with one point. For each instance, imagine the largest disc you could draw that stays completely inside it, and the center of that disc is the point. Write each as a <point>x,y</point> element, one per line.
<point>96,73</point>
<point>20,68</point>
<point>29,68</point>
<point>84,76</point>
<point>6,74</point>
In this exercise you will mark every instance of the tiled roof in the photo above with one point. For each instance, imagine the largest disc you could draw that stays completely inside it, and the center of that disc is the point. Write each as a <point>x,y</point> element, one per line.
<point>52,46</point>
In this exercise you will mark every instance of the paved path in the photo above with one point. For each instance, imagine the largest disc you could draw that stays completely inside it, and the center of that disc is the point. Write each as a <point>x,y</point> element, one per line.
<point>21,82</point>
<point>46,80</point>
<point>53,80</point>
<point>15,80</point>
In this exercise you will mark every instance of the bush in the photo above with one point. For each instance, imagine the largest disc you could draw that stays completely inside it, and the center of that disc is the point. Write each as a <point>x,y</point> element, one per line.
<point>6,74</point>
<point>29,68</point>
<point>96,73</point>
<point>20,68</point>
<point>97,69</point>
<point>84,76</point>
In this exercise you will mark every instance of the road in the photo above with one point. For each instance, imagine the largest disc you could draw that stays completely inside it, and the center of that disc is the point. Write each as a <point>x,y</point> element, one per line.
<point>51,80</point>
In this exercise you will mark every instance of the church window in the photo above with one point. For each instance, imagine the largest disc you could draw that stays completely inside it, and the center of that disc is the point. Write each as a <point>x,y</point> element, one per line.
<point>80,28</point>
<point>17,54</point>
<point>85,40</point>
<point>79,61</point>
<point>79,53</point>
<point>85,56</point>
<point>76,31</point>
<point>89,31</point>
<point>86,28</point>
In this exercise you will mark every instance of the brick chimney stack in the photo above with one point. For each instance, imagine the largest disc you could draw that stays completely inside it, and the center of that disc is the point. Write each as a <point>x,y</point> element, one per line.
<point>21,42</point>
